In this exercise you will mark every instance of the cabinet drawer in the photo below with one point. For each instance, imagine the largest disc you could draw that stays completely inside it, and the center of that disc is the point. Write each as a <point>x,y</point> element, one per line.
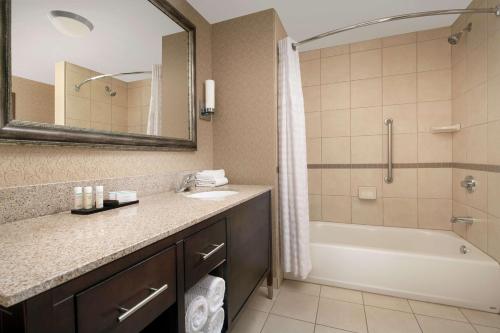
<point>130,300</point>
<point>204,250</point>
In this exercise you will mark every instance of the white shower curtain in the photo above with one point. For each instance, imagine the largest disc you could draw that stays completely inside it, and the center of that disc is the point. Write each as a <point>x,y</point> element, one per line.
<point>154,116</point>
<point>293,190</point>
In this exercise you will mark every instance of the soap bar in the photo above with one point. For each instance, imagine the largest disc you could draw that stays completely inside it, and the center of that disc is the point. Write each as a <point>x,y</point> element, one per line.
<point>367,193</point>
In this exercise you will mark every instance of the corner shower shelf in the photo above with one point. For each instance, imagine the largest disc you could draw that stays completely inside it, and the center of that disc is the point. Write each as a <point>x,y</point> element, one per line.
<point>446,129</point>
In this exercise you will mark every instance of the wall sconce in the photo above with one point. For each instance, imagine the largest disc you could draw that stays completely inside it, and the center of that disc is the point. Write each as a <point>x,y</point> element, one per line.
<point>208,109</point>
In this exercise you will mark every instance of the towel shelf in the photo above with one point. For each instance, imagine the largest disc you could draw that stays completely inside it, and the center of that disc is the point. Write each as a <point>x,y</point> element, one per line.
<point>446,129</point>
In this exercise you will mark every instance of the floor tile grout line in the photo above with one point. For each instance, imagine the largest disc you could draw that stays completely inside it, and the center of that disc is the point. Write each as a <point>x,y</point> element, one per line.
<point>364,311</point>
<point>467,318</point>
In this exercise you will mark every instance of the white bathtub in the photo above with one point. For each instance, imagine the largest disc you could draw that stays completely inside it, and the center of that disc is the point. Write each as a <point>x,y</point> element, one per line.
<point>411,263</point>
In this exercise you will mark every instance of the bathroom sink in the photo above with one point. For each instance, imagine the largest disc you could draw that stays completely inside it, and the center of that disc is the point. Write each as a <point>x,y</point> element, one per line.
<point>212,195</point>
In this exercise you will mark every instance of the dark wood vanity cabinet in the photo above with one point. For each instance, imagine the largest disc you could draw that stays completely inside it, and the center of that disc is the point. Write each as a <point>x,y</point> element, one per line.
<point>144,291</point>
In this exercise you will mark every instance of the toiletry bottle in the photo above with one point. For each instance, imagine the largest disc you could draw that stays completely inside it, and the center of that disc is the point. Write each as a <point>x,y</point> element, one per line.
<point>77,198</point>
<point>99,196</point>
<point>87,197</point>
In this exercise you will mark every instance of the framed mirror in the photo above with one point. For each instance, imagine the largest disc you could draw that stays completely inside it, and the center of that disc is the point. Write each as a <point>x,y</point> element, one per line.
<point>114,73</point>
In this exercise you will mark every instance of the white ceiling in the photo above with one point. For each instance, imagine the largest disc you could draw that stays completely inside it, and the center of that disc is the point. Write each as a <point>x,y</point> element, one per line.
<point>306,18</point>
<point>126,37</point>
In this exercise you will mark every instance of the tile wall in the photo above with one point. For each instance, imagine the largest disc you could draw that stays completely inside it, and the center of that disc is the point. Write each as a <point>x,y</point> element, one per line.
<point>476,105</point>
<point>348,91</point>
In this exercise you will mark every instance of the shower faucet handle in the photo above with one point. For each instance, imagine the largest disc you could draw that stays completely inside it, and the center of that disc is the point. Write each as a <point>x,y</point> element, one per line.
<point>469,183</point>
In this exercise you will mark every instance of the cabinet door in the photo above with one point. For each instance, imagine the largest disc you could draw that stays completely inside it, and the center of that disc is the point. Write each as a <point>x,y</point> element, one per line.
<point>249,250</point>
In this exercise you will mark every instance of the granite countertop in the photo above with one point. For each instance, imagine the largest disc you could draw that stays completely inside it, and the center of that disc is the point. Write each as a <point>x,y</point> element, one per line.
<point>41,253</point>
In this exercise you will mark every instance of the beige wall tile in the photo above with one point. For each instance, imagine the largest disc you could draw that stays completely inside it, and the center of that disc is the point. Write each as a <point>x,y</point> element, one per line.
<point>335,50</point>
<point>400,212</point>
<point>119,116</point>
<point>404,184</point>
<point>402,39</point>
<point>479,33</point>
<point>121,97</point>
<point>135,96</point>
<point>434,213</point>
<point>493,237</point>
<point>400,59</point>
<point>400,89</point>
<point>367,211</point>
<point>366,93</point>
<point>78,108</point>
<point>366,45</point>
<point>477,69</point>
<point>366,149</point>
<point>134,117</point>
<point>435,183</point>
<point>336,182</point>
<point>314,181</point>
<point>433,114</point>
<point>335,123</point>
<point>315,207</point>
<point>459,78</point>
<point>77,123</point>
<point>313,151</point>
<point>493,103</point>
<point>313,124</point>
<point>366,121</point>
<point>494,142</point>
<point>493,54</point>
<point>367,64</point>
<point>459,147</point>
<point>404,148</point>
<point>433,34</point>
<point>493,190</point>
<point>309,55</point>
<point>335,150</point>
<point>74,77</point>
<point>404,116</point>
<point>335,96</point>
<point>366,177</point>
<point>434,85</point>
<point>335,69</point>
<point>101,126</point>
<point>336,208</point>
<point>477,231</point>
<point>312,98</point>
<point>434,148</point>
<point>477,138</point>
<point>458,192</point>
<point>100,112</point>
<point>310,72</point>
<point>433,55</point>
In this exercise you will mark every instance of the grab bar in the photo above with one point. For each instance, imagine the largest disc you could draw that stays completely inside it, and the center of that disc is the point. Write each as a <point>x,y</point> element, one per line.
<point>388,122</point>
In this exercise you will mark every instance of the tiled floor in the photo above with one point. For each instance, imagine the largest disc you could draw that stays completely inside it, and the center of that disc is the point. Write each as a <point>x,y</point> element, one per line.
<point>309,308</point>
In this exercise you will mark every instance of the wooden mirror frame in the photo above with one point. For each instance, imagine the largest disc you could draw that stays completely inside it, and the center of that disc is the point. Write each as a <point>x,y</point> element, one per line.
<point>26,132</point>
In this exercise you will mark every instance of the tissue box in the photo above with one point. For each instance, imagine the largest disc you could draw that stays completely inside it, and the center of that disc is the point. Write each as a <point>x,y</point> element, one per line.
<point>367,193</point>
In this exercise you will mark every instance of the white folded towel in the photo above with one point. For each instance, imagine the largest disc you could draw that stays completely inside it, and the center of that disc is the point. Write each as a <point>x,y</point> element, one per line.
<point>212,182</point>
<point>196,311</point>
<point>215,322</point>
<point>212,173</point>
<point>213,289</point>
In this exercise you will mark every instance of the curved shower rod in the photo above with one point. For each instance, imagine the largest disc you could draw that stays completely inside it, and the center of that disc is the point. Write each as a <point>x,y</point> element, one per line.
<point>495,10</point>
<point>78,86</point>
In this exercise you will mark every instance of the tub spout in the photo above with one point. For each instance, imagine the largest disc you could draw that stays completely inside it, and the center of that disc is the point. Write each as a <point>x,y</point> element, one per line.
<point>462,219</point>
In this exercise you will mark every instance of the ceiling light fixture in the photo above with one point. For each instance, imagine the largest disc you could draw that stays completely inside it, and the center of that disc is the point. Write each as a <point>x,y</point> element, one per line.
<point>70,24</point>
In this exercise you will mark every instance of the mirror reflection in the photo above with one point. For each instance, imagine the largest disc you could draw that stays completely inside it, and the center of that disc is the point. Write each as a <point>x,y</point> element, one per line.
<point>114,66</point>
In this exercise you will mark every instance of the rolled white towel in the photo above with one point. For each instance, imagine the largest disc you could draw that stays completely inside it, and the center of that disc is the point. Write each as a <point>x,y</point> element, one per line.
<point>212,183</point>
<point>213,289</point>
<point>196,311</point>
<point>215,322</point>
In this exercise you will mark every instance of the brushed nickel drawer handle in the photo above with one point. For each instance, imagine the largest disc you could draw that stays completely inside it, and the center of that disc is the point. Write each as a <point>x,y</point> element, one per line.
<point>128,312</point>
<point>205,256</point>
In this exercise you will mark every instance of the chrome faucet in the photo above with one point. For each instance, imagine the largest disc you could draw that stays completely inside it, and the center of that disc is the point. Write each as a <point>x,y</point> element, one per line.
<point>185,183</point>
<point>462,219</point>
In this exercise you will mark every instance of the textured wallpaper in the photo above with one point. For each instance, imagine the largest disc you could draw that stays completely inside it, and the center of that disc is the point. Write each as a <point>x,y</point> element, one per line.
<point>29,165</point>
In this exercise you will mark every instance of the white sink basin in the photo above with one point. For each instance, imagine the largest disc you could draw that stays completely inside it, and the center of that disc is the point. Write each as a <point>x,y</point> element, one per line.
<point>212,195</point>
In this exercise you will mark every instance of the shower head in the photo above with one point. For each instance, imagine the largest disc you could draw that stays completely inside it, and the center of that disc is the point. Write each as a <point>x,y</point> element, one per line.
<point>110,92</point>
<point>455,38</point>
